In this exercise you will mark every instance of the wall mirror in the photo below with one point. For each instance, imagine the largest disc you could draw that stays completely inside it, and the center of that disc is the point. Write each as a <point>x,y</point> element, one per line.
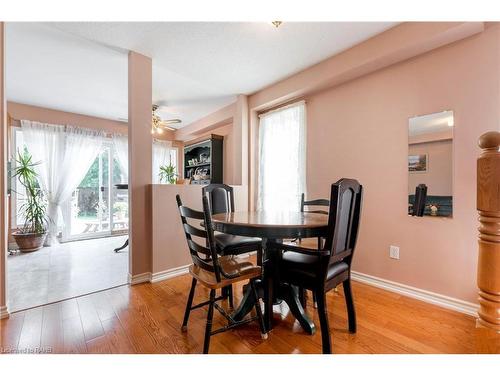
<point>430,165</point>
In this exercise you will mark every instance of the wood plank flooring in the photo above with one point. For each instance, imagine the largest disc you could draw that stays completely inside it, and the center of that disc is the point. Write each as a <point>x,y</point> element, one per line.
<point>146,318</point>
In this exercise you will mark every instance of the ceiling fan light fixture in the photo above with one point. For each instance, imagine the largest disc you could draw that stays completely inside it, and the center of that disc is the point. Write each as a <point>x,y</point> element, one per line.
<point>276,24</point>
<point>158,125</point>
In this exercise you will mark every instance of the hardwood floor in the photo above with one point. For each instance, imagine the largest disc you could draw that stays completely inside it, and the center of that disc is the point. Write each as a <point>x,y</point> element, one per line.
<point>146,318</point>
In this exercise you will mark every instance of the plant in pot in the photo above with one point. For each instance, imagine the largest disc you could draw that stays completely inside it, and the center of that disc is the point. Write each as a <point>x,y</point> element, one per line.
<point>167,174</point>
<point>31,236</point>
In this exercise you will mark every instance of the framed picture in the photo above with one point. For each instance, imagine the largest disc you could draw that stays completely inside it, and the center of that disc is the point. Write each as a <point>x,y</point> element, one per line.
<point>418,163</point>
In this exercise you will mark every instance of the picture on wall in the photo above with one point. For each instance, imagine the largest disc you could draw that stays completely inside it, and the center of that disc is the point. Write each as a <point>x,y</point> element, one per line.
<point>417,163</point>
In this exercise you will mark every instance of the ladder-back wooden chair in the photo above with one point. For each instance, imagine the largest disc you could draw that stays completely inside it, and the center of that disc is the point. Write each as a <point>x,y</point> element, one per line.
<point>214,271</point>
<point>221,200</point>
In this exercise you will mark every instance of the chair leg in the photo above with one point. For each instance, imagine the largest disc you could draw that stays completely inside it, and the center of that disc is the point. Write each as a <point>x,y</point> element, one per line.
<point>208,329</point>
<point>268,303</point>
<point>260,317</point>
<point>351,312</point>
<point>323,320</point>
<point>230,296</point>
<point>188,305</point>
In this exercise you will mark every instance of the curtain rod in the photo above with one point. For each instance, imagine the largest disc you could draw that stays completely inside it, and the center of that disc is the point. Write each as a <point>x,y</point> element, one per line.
<point>282,107</point>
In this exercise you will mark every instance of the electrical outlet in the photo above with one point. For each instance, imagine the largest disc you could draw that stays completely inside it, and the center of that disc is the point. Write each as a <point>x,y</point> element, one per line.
<point>394,252</point>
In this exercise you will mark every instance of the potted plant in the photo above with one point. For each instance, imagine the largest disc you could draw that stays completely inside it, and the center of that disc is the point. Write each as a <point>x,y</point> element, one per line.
<point>167,174</point>
<point>31,236</point>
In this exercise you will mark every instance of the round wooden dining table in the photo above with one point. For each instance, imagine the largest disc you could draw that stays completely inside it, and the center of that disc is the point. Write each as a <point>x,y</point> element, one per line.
<point>273,228</point>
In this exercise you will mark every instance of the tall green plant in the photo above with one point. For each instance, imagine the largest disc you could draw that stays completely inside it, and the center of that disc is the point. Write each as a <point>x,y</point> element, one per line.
<point>34,209</point>
<point>167,173</point>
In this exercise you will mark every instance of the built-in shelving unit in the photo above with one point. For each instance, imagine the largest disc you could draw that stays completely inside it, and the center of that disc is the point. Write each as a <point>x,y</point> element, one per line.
<point>203,160</point>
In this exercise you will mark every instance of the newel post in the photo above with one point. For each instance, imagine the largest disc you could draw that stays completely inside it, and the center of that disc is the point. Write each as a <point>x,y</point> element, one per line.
<point>488,206</point>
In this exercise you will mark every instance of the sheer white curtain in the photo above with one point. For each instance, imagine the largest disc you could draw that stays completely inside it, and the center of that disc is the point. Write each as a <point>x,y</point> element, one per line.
<point>163,154</point>
<point>282,153</point>
<point>65,154</point>
<point>120,143</point>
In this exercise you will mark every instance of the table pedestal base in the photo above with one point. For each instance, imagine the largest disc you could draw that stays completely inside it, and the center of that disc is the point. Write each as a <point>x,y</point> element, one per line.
<point>286,293</point>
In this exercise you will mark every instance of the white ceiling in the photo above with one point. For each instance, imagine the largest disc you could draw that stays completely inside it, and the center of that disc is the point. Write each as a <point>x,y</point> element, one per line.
<point>197,67</point>
<point>431,123</point>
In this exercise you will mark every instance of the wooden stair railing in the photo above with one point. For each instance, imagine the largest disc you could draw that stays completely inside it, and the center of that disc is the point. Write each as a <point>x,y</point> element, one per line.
<point>488,206</point>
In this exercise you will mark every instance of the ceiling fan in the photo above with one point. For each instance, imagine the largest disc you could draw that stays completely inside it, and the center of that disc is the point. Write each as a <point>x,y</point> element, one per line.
<point>158,125</point>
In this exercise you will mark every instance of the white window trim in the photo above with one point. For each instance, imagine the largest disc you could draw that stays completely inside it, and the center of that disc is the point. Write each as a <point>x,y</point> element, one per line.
<point>14,183</point>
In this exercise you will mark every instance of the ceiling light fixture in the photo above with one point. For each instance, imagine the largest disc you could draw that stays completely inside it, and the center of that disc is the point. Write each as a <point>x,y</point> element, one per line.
<point>276,23</point>
<point>158,125</point>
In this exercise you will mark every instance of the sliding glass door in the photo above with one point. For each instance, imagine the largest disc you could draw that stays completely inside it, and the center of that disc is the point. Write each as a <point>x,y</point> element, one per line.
<point>97,208</point>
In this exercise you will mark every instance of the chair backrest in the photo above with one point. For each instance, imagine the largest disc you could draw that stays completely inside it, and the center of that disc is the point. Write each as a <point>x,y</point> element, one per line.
<point>343,220</point>
<point>203,256</point>
<point>420,198</point>
<point>220,197</point>
<point>314,203</point>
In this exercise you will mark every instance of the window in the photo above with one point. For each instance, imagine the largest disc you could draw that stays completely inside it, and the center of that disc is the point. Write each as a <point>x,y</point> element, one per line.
<point>282,152</point>
<point>95,208</point>
<point>18,191</point>
<point>163,155</point>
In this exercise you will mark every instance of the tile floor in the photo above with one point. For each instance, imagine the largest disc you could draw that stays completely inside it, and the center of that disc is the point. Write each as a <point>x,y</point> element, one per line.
<point>66,270</point>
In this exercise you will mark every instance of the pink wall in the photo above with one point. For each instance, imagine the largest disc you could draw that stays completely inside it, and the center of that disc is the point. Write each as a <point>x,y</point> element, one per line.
<point>360,130</point>
<point>18,111</point>
<point>169,242</point>
<point>358,106</point>
<point>214,120</point>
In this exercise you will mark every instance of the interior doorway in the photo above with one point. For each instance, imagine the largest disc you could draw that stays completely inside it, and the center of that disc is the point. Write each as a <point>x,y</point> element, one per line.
<point>61,116</point>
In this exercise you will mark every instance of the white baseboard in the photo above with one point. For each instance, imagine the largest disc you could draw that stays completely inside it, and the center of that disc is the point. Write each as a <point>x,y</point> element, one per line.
<point>4,312</point>
<point>392,286</point>
<point>168,274</point>
<point>140,278</point>
<point>420,294</point>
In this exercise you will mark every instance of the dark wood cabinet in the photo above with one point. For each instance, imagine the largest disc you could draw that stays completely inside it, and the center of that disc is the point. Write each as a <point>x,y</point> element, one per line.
<point>203,160</point>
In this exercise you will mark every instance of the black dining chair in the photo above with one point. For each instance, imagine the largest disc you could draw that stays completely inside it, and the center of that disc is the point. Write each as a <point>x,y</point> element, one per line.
<point>420,199</point>
<point>322,270</point>
<point>221,200</point>
<point>215,272</point>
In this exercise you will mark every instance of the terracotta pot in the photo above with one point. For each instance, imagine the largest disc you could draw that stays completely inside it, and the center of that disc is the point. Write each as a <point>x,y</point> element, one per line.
<point>28,242</point>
